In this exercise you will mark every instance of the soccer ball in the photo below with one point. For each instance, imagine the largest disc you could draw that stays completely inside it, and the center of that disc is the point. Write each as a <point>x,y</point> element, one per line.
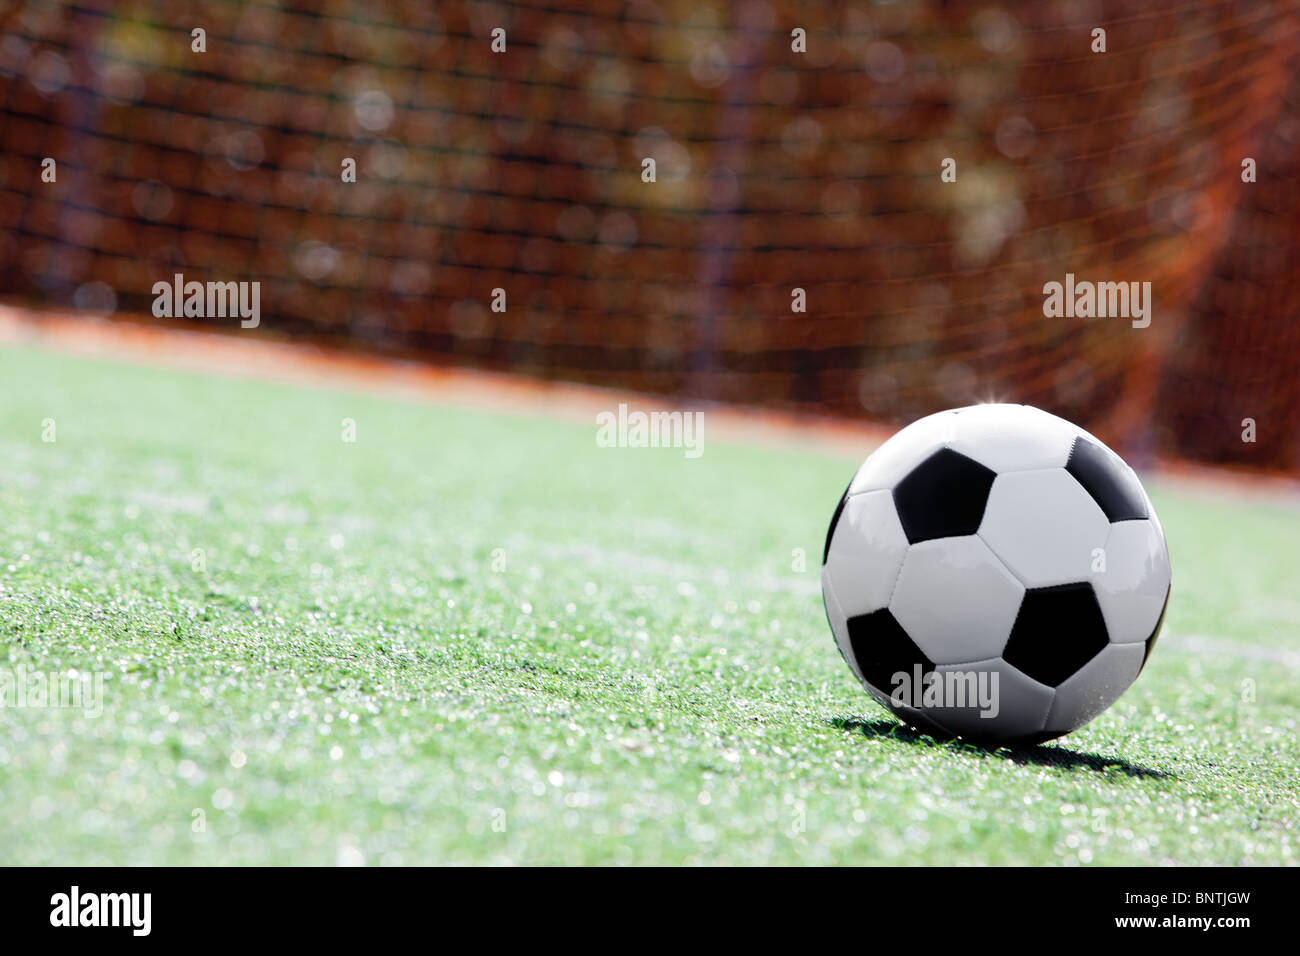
<point>995,573</point>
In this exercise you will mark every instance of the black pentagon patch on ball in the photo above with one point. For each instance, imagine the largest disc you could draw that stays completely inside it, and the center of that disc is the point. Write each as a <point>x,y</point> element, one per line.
<point>1057,631</point>
<point>943,497</point>
<point>882,649</point>
<point>1111,485</point>
<point>835,519</point>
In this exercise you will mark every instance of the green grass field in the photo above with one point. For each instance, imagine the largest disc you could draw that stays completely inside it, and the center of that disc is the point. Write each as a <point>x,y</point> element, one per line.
<point>478,638</point>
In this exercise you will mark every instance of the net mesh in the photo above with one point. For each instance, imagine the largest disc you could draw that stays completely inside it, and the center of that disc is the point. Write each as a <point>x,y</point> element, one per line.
<point>775,171</point>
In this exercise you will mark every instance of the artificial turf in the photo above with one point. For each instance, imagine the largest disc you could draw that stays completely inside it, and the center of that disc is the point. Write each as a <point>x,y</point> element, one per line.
<point>477,638</point>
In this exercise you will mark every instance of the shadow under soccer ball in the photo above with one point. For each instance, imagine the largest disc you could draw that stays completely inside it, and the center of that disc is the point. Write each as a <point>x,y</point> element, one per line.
<point>1038,755</point>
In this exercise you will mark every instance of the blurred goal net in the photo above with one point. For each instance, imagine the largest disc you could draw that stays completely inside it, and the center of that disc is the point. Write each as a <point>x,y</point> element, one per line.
<point>787,175</point>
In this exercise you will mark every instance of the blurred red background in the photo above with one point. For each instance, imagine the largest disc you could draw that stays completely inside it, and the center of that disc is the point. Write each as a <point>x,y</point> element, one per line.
<point>775,170</point>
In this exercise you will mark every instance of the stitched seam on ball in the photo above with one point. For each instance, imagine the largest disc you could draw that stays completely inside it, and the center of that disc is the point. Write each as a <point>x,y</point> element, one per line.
<point>982,660</point>
<point>1048,716</point>
<point>898,575</point>
<point>866,491</point>
<point>1003,564</point>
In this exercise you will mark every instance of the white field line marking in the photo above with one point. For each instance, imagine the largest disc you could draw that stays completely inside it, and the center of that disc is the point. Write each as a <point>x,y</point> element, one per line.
<point>1205,644</point>
<point>694,574</point>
